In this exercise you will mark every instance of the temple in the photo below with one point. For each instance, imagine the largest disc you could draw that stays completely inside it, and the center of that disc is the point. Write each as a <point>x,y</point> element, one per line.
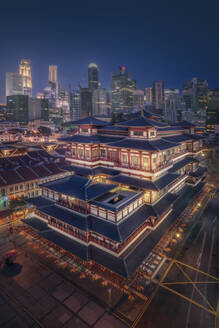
<point>124,181</point>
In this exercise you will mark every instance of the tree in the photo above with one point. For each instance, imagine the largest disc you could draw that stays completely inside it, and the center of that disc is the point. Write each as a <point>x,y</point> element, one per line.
<point>17,204</point>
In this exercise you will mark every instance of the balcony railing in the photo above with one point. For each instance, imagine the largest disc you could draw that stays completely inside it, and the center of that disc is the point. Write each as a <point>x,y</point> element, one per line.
<point>73,207</point>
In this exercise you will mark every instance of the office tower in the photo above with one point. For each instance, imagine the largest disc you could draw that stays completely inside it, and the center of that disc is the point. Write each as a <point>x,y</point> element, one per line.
<point>212,112</point>
<point>25,71</point>
<point>23,109</point>
<point>17,108</point>
<point>195,93</point>
<point>138,99</point>
<point>34,109</point>
<point>99,101</point>
<point>93,73</point>
<point>53,73</point>
<point>148,94</point>
<point>172,103</point>
<point>63,103</point>
<point>75,105</point>
<point>123,87</point>
<point>158,96</point>
<point>86,102</point>
<point>14,84</point>
<point>44,109</point>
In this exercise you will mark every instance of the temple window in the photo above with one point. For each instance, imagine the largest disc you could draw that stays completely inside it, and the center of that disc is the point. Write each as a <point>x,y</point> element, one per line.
<point>138,133</point>
<point>146,162</point>
<point>134,160</point>
<point>87,153</point>
<point>124,158</point>
<point>81,153</point>
<point>103,153</point>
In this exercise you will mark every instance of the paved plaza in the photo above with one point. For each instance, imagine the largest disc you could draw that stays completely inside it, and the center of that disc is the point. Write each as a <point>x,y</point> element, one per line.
<point>33,296</point>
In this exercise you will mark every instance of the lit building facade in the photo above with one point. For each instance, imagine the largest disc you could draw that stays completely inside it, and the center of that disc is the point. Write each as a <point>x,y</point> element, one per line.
<point>212,112</point>
<point>93,76</point>
<point>125,180</point>
<point>75,105</point>
<point>25,72</point>
<point>99,101</point>
<point>53,73</point>
<point>123,87</point>
<point>14,84</point>
<point>158,96</point>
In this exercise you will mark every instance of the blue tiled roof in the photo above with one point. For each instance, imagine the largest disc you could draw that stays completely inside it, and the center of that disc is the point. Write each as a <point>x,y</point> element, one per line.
<point>77,186</point>
<point>65,215</point>
<point>185,161</point>
<point>162,205</point>
<point>95,139</point>
<point>162,144</point>
<point>142,122</point>
<point>90,121</point>
<point>136,122</point>
<point>104,227</point>
<point>133,144</point>
<point>170,128</point>
<point>88,171</point>
<point>66,243</point>
<point>199,172</point>
<point>141,144</point>
<point>185,124</point>
<point>165,180</point>
<point>158,184</point>
<point>128,226</point>
<point>36,223</point>
<point>178,138</point>
<point>134,182</point>
<point>39,201</point>
<point>113,128</point>
<point>111,262</point>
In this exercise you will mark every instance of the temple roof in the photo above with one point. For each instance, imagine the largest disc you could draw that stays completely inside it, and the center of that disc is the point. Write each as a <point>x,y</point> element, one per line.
<point>78,187</point>
<point>156,185</point>
<point>90,120</point>
<point>142,144</point>
<point>95,139</point>
<point>185,161</point>
<point>142,122</point>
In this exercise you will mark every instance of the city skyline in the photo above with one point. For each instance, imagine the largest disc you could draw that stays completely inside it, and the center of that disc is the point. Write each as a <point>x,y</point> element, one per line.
<point>168,48</point>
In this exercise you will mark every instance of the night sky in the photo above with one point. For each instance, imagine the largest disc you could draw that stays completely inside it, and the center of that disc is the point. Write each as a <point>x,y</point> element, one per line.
<point>168,40</point>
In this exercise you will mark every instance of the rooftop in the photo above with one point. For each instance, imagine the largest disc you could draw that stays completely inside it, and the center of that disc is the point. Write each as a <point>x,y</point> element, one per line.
<point>79,187</point>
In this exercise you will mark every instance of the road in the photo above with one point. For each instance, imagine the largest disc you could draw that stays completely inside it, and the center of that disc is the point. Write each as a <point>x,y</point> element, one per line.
<point>182,302</point>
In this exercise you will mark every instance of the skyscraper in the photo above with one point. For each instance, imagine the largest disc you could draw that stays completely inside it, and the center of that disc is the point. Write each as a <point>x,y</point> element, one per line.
<point>93,76</point>
<point>75,105</point>
<point>123,87</point>
<point>195,93</point>
<point>25,71</point>
<point>53,73</point>
<point>99,101</point>
<point>86,102</point>
<point>149,95</point>
<point>22,108</point>
<point>14,84</point>
<point>212,112</point>
<point>158,96</point>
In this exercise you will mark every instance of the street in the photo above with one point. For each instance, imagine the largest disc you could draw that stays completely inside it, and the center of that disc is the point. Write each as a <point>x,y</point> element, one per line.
<point>188,296</point>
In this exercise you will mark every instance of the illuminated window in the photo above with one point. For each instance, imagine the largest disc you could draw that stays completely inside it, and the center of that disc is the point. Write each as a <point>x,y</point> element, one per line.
<point>125,159</point>
<point>81,152</point>
<point>102,152</point>
<point>87,153</point>
<point>138,133</point>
